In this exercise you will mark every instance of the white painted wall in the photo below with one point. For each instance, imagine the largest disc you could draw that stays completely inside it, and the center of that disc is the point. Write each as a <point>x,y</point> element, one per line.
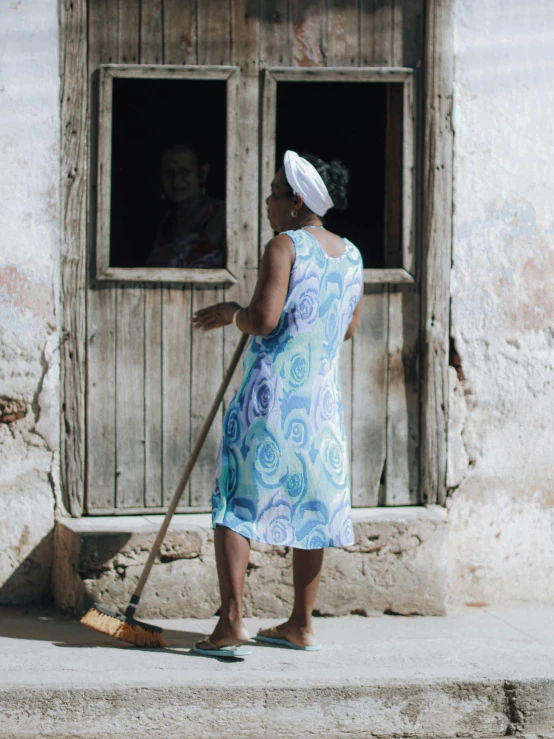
<point>29,245</point>
<point>502,514</point>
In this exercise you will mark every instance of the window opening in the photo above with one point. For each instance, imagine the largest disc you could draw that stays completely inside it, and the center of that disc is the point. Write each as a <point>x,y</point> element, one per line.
<point>360,124</point>
<point>168,152</point>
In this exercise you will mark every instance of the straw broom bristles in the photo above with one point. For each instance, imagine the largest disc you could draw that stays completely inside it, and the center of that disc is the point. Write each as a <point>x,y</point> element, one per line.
<point>133,633</point>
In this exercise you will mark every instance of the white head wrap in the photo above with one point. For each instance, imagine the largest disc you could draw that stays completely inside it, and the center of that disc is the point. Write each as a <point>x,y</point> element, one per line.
<point>305,180</point>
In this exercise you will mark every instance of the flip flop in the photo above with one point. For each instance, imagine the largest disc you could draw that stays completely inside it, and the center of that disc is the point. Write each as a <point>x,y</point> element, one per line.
<point>280,642</point>
<point>215,651</point>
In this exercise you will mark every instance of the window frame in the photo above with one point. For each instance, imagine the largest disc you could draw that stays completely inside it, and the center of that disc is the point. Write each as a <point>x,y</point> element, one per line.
<point>191,276</point>
<point>404,75</point>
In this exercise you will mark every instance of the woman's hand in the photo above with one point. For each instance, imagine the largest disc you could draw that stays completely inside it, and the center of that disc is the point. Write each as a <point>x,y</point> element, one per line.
<point>215,316</point>
<point>264,310</point>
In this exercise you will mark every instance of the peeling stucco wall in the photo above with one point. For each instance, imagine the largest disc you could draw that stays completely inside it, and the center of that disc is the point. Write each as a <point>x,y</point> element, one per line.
<point>501,461</point>
<point>29,253</point>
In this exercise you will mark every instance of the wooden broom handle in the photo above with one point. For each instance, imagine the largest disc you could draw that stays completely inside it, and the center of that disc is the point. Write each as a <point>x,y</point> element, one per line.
<point>188,469</point>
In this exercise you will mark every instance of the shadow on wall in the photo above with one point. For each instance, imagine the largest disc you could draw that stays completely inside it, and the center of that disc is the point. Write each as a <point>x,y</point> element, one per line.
<point>30,582</point>
<point>77,558</point>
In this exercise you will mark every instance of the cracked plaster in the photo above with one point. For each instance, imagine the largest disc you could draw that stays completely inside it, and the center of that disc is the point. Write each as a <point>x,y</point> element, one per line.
<point>501,467</point>
<point>29,361</point>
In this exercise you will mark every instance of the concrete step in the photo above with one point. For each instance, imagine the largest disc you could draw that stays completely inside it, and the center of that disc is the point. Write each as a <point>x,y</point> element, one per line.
<point>474,674</point>
<point>397,564</point>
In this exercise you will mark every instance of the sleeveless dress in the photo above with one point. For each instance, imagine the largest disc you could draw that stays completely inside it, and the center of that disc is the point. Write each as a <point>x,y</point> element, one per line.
<point>282,473</point>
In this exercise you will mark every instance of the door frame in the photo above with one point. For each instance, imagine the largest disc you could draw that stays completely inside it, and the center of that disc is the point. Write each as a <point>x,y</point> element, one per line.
<point>435,214</point>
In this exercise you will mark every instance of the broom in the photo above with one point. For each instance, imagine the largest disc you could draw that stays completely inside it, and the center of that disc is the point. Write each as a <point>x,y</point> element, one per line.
<point>124,626</point>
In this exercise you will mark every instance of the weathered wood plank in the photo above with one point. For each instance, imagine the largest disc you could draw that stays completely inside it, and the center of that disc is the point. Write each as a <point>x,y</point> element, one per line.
<point>413,21</point>
<point>276,49</point>
<point>153,421</point>
<point>73,194</point>
<point>402,474</point>
<point>180,42</point>
<point>102,33</point>
<point>101,303</point>
<point>151,32</point>
<point>125,14</point>
<point>410,167</point>
<point>342,74</point>
<point>369,389</point>
<point>382,276</point>
<point>176,406</point>
<point>101,442</point>
<point>437,245</point>
<point>393,177</point>
<point>268,164</point>
<point>397,52</point>
<point>151,51</point>
<point>128,32</point>
<point>189,276</point>
<point>402,469</point>
<point>162,71</point>
<point>129,411</point>
<point>376,32</point>
<point>241,293</point>
<point>242,226</point>
<point>413,52</point>
<point>214,32</point>
<point>276,34</point>
<point>343,28</point>
<point>206,375</point>
<point>309,33</point>
<point>103,172</point>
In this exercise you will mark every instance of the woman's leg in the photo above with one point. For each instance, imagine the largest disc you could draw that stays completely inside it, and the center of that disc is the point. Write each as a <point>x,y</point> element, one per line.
<point>307,565</point>
<point>232,552</point>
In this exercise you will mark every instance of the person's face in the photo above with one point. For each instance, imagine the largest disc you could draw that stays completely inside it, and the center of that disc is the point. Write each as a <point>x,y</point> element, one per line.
<point>181,176</point>
<point>280,203</point>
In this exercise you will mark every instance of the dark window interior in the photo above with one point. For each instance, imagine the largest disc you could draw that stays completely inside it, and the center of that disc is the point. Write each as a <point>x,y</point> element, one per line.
<point>345,121</point>
<point>356,122</point>
<point>149,116</point>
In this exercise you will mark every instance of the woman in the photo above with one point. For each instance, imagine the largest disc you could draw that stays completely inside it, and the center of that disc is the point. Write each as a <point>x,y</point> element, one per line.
<point>192,232</point>
<point>282,473</point>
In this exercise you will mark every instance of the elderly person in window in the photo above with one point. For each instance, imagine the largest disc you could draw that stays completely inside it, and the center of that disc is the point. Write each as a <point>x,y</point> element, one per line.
<point>192,231</point>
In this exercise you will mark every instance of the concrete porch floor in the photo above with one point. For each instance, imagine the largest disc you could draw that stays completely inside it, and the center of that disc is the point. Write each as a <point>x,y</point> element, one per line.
<point>477,672</point>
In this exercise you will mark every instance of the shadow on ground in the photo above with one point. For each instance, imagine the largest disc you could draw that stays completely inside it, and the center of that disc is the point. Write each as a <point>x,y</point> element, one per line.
<point>47,623</point>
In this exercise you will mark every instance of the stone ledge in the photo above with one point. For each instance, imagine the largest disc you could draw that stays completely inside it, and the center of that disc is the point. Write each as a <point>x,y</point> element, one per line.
<point>397,565</point>
<point>420,710</point>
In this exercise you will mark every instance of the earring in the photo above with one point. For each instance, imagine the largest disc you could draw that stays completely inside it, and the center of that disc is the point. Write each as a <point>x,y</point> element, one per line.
<point>294,214</point>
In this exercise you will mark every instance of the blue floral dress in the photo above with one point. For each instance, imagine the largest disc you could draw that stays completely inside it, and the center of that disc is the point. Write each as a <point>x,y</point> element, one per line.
<point>282,473</point>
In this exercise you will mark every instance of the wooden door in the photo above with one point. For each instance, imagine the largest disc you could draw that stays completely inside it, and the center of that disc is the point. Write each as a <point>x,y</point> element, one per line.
<point>150,378</point>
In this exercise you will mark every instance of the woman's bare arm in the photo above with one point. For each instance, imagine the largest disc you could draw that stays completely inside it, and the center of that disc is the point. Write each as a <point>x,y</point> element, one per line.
<point>354,320</point>
<point>263,313</point>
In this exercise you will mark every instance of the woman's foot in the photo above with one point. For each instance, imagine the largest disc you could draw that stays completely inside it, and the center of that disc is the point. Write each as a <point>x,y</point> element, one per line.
<point>300,636</point>
<point>225,634</point>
